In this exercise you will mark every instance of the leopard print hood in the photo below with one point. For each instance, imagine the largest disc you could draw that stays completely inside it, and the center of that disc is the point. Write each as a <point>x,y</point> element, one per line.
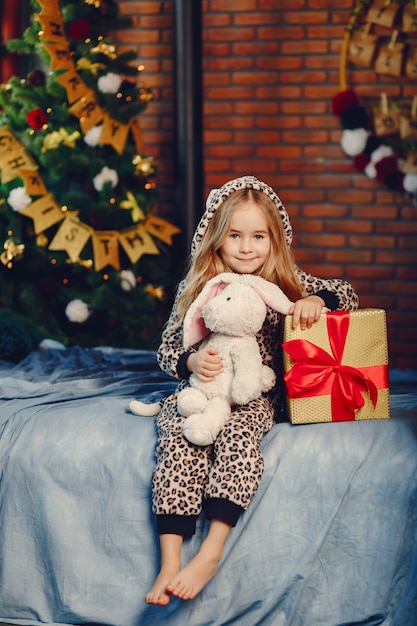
<point>217,196</point>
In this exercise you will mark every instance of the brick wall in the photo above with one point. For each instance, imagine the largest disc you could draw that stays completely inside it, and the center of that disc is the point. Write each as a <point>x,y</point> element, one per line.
<point>270,71</point>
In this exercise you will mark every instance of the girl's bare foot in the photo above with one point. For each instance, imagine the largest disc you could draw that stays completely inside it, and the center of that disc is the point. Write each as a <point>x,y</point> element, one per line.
<point>194,577</point>
<point>159,593</point>
<point>170,566</point>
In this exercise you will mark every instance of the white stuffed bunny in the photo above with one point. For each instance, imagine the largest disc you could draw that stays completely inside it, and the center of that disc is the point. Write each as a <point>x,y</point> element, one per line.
<point>230,309</point>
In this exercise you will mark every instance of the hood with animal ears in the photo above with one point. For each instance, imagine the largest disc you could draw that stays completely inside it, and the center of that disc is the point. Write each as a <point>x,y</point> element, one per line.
<point>217,196</point>
<point>195,330</point>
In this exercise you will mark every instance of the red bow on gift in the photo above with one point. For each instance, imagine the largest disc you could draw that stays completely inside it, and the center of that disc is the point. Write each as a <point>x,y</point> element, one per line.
<point>316,372</point>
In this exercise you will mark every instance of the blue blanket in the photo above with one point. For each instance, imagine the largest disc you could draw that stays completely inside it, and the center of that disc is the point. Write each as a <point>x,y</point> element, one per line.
<point>330,538</point>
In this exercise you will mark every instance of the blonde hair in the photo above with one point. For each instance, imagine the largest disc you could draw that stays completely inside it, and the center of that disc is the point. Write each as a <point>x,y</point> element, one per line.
<point>207,262</point>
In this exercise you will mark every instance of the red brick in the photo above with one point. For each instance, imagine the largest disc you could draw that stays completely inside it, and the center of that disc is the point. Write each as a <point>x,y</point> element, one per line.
<point>258,108</point>
<point>256,19</point>
<point>350,226</point>
<point>325,210</point>
<point>231,34</point>
<point>278,151</point>
<point>224,64</point>
<point>304,47</point>
<point>242,5</point>
<point>305,136</point>
<point>324,182</point>
<point>278,121</point>
<point>303,78</point>
<point>307,17</point>
<point>142,7</point>
<point>407,274</point>
<point>251,78</point>
<point>219,19</point>
<point>230,93</point>
<point>307,226</point>
<point>370,271</point>
<point>219,50</point>
<point>256,137</point>
<point>323,240</point>
<point>302,167</point>
<point>279,63</point>
<point>256,48</point>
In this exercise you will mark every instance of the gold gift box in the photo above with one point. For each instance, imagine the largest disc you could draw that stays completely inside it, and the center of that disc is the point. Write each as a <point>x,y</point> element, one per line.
<point>365,353</point>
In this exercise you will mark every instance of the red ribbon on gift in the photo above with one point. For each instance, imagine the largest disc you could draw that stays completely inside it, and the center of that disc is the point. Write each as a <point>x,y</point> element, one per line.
<point>317,373</point>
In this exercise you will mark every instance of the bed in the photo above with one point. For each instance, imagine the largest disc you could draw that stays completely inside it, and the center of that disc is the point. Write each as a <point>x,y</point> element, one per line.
<point>330,539</point>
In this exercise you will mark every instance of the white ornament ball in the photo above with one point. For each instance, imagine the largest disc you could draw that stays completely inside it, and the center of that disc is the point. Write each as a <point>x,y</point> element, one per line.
<point>109,83</point>
<point>77,311</point>
<point>127,280</point>
<point>18,199</point>
<point>353,142</point>
<point>92,136</point>
<point>410,183</point>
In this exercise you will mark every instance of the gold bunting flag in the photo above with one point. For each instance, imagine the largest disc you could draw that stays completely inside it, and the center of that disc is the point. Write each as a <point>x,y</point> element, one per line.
<point>106,249</point>
<point>71,237</point>
<point>60,56</point>
<point>44,212</point>
<point>136,242</point>
<point>74,85</point>
<point>160,228</point>
<point>114,133</point>
<point>8,141</point>
<point>12,162</point>
<point>88,111</point>
<point>52,26</point>
<point>33,183</point>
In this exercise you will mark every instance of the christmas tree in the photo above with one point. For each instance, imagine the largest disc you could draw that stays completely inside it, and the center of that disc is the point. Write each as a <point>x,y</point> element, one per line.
<point>84,257</point>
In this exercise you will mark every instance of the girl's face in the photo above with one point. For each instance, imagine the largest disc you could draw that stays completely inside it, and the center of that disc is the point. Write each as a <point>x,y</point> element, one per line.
<point>248,242</point>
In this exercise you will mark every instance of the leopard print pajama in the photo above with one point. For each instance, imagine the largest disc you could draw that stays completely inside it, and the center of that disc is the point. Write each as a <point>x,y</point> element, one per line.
<point>230,469</point>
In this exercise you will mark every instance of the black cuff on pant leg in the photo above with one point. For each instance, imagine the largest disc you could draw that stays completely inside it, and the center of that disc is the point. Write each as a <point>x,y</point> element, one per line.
<point>177,525</point>
<point>222,509</point>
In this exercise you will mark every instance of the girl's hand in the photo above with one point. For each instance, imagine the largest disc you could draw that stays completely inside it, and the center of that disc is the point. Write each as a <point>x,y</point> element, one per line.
<point>306,311</point>
<point>206,364</point>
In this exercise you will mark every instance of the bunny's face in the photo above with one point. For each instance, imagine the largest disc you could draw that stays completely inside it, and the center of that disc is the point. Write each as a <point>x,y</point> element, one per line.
<point>237,311</point>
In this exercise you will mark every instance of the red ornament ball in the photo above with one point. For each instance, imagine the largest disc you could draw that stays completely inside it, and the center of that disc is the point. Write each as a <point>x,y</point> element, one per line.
<point>79,29</point>
<point>36,118</point>
<point>361,161</point>
<point>344,100</point>
<point>386,166</point>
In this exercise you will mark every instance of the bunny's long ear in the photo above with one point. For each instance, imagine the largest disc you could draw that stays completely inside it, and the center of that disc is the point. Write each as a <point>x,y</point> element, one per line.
<point>194,328</point>
<point>270,293</point>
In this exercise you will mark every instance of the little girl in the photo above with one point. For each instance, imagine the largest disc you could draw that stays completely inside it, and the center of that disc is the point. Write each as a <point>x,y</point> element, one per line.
<point>245,229</point>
